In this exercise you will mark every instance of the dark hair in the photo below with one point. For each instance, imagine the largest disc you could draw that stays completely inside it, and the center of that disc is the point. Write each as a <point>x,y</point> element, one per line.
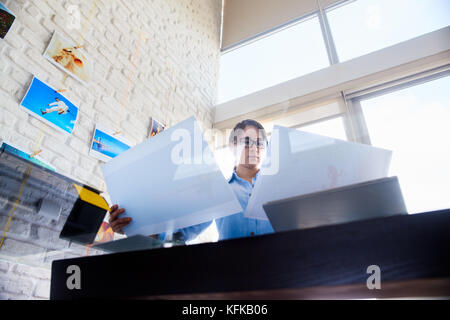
<point>242,125</point>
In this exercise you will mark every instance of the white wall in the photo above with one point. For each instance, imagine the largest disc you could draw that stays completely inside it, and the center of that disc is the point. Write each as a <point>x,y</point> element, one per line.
<point>183,37</point>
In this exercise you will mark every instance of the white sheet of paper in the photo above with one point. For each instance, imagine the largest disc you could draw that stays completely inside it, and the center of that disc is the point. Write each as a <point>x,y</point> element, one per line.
<point>299,163</point>
<point>161,194</point>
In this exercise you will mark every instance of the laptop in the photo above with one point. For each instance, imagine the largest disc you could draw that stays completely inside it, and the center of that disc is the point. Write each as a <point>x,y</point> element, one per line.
<point>366,200</point>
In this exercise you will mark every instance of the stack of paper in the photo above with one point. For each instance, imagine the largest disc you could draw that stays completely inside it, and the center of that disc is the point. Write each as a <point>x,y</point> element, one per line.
<point>300,163</point>
<point>168,182</point>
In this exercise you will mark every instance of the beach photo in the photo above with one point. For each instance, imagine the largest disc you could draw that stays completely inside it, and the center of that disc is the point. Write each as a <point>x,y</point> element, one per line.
<point>65,54</point>
<point>105,145</point>
<point>44,103</point>
<point>155,127</point>
<point>6,20</point>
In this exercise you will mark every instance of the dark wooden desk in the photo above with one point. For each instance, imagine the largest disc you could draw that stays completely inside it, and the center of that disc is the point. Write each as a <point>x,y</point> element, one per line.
<point>412,251</point>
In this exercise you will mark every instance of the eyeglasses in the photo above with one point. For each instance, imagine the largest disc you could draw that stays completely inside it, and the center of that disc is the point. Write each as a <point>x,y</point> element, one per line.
<point>248,143</point>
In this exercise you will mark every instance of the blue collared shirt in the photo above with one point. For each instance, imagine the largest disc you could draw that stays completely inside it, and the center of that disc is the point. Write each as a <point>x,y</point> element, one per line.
<point>236,225</point>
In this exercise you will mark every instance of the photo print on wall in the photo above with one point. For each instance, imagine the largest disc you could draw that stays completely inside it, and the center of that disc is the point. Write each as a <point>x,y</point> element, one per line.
<point>155,127</point>
<point>65,55</point>
<point>105,145</point>
<point>105,233</point>
<point>6,20</point>
<point>22,153</point>
<point>46,104</point>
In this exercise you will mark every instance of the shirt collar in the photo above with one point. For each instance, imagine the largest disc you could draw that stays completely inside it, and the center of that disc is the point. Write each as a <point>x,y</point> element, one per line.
<point>235,176</point>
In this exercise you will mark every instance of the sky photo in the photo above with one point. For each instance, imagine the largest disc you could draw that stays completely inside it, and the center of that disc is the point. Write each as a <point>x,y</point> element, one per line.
<point>109,146</point>
<point>39,97</point>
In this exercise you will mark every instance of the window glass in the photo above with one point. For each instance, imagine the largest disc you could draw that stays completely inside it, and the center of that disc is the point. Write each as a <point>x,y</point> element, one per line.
<point>414,123</point>
<point>364,26</point>
<point>282,56</point>
<point>225,160</point>
<point>333,128</point>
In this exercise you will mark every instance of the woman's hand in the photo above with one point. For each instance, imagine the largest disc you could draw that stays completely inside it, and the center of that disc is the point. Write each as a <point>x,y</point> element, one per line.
<point>115,222</point>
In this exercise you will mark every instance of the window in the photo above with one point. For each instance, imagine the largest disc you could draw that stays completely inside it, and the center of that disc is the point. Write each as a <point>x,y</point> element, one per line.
<point>225,160</point>
<point>364,26</point>
<point>333,128</point>
<point>210,234</point>
<point>282,56</point>
<point>414,123</point>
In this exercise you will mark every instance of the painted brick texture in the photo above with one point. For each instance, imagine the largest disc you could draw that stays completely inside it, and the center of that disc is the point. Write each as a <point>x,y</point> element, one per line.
<point>158,58</point>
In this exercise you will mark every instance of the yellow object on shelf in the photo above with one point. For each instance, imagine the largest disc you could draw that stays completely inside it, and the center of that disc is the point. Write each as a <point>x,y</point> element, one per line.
<point>91,197</point>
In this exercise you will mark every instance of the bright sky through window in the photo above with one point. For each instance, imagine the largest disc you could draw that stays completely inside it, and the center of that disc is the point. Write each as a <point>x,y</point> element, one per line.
<point>333,128</point>
<point>364,26</point>
<point>414,123</point>
<point>279,57</point>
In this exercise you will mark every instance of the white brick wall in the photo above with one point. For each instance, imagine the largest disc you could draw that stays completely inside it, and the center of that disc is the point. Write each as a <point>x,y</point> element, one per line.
<point>18,281</point>
<point>181,37</point>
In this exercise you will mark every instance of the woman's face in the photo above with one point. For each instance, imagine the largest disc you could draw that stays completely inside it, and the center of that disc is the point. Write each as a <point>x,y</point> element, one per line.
<point>250,147</point>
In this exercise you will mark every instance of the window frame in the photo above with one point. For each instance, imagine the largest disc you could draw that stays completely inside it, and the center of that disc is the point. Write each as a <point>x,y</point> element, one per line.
<point>408,73</point>
<point>320,17</point>
<point>356,115</point>
<point>357,112</point>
